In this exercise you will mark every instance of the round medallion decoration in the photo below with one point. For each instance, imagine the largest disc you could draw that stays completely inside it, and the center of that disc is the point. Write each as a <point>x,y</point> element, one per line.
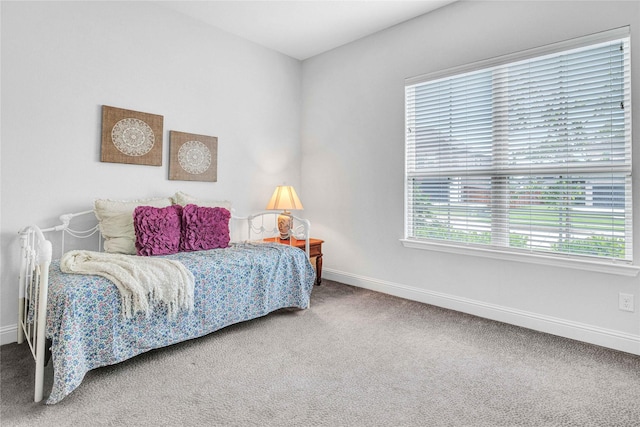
<point>194,157</point>
<point>132,137</point>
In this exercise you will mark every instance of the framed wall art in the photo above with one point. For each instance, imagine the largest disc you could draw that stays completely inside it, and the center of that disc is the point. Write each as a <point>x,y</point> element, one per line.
<point>131,137</point>
<point>193,157</point>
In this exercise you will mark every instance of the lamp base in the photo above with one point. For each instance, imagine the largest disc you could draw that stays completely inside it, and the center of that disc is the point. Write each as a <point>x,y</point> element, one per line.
<point>285,223</point>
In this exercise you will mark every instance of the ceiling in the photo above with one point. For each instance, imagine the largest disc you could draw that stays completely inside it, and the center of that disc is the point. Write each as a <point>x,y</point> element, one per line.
<point>304,28</point>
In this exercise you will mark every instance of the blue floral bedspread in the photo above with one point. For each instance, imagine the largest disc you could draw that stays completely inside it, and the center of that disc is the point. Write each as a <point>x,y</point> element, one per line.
<point>242,282</point>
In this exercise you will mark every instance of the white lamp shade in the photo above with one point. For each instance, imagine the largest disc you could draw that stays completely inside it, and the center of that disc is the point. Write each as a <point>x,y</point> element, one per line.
<point>284,198</point>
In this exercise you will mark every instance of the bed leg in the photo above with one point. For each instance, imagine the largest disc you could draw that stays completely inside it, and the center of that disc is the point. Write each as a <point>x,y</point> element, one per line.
<point>21,286</point>
<point>39,385</point>
<point>41,331</point>
<point>21,303</point>
<point>47,351</point>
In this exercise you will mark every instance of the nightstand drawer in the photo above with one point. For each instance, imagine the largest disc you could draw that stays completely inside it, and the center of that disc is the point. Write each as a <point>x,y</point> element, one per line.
<point>315,251</point>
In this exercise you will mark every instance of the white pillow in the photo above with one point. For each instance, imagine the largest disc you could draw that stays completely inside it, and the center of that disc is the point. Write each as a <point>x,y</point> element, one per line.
<point>184,199</point>
<point>115,219</point>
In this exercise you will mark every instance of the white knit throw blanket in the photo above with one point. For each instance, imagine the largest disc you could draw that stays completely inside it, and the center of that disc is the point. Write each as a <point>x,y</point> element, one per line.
<point>142,281</point>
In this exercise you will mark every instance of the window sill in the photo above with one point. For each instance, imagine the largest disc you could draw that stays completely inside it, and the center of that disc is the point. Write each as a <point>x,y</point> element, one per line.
<point>601,267</point>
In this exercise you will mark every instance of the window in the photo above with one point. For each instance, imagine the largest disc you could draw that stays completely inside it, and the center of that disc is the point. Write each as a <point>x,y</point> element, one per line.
<point>529,153</point>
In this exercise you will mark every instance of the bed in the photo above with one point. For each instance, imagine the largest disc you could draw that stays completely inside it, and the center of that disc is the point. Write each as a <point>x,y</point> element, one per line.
<point>82,321</point>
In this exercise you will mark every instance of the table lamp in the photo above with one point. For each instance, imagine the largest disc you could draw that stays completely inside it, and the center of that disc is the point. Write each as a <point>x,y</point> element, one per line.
<point>284,198</point>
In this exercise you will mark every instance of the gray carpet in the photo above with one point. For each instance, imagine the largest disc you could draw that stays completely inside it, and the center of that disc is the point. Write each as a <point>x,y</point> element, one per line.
<point>355,358</point>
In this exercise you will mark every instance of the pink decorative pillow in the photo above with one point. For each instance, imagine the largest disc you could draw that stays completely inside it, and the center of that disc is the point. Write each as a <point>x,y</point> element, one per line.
<point>204,228</point>
<point>157,229</point>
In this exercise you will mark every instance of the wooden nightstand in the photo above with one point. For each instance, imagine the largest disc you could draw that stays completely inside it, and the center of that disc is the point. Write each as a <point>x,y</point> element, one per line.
<point>315,251</point>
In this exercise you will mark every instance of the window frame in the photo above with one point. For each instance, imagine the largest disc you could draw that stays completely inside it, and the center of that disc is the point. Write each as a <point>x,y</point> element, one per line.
<point>613,266</point>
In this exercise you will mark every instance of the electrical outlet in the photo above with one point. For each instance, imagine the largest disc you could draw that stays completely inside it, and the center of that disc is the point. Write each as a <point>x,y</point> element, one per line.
<point>625,302</point>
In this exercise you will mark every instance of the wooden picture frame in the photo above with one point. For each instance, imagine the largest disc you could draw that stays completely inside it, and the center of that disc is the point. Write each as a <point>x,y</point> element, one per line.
<point>193,157</point>
<point>131,137</point>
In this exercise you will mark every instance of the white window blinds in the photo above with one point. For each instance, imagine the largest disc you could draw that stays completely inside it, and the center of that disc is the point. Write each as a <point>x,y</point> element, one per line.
<point>529,152</point>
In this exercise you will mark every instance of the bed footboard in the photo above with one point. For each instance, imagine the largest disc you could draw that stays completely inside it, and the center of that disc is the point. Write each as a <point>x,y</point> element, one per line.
<point>264,224</point>
<point>36,253</point>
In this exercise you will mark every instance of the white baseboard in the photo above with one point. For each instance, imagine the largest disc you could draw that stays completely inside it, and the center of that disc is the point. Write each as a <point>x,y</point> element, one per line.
<point>574,330</point>
<point>8,334</point>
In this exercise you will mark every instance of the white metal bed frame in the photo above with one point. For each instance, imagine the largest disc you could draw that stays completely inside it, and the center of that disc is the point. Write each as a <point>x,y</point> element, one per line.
<point>37,252</point>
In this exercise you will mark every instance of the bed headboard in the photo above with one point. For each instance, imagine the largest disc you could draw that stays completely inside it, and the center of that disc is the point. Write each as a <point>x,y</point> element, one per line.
<point>81,231</point>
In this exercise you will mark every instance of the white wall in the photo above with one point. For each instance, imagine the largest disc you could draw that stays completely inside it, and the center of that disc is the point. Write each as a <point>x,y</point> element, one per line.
<point>353,169</point>
<point>61,61</point>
